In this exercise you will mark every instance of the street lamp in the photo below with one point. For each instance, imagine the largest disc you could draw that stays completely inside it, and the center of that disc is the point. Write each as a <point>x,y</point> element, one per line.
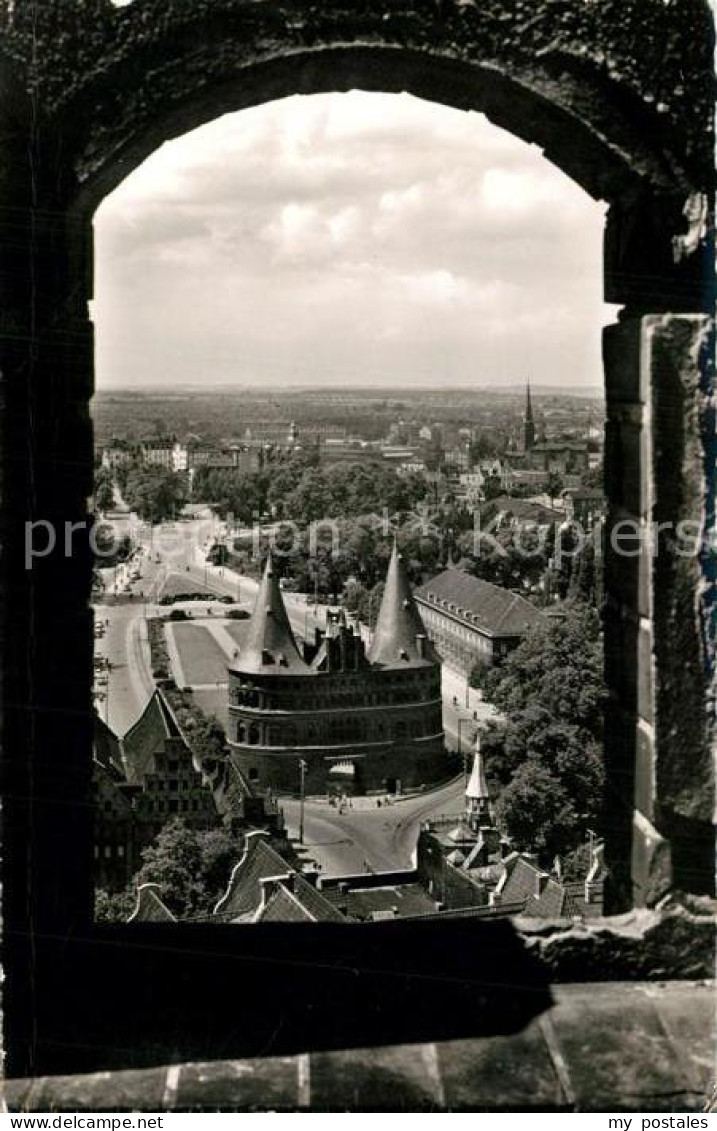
<point>302,785</point>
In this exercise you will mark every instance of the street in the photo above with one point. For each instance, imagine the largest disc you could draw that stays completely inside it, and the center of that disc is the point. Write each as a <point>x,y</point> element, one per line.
<point>366,838</point>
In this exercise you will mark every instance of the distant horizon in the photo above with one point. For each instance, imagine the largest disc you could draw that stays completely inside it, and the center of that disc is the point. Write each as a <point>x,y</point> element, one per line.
<point>368,389</point>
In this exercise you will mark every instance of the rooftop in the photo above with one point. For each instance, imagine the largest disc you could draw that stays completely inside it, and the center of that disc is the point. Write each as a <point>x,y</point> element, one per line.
<point>489,608</point>
<point>269,643</point>
<point>154,727</point>
<point>400,636</point>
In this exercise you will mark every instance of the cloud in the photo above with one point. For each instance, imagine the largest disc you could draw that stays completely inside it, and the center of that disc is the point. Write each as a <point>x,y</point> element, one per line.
<point>345,238</point>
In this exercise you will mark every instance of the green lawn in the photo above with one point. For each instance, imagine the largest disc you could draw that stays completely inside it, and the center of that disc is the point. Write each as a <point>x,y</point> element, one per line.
<point>203,661</point>
<point>237,630</point>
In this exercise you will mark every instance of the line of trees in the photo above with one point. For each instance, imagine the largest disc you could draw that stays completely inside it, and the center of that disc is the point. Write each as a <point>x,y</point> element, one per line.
<point>296,487</point>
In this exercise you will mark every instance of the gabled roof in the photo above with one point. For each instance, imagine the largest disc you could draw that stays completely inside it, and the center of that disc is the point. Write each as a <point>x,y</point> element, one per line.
<point>283,907</point>
<point>243,895</point>
<point>489,608</point>
<point>592,494</point>
<point>269,644</point>
<point>526,510</point>
<point>150,907</point>
<point>543,895</point>
<point>143,741</point>
<point>400,636</point>
<point>107,748</point>
<point>296,900</point>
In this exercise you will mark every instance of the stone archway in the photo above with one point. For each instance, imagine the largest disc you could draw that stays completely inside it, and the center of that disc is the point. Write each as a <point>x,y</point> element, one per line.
<point>616,92</point>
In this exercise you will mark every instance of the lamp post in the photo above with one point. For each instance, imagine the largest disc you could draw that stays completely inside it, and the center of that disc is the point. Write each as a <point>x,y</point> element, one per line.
<point>302,795</point>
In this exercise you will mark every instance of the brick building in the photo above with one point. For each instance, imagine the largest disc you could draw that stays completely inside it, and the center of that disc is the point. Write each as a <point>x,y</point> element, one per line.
<point>140,782</point>
<point>359,720</point>
<point>470,620</point>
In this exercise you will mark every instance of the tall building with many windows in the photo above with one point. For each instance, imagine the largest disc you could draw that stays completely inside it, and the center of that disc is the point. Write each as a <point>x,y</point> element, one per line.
<point>358,720</point>
<point>471,621</point>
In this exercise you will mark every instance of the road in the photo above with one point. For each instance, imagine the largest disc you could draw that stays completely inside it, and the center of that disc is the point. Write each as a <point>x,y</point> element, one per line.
<point>366,838</point>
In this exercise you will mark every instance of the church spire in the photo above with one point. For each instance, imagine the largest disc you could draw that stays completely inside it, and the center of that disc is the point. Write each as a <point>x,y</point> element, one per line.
<point>400,636</point>
<point>269,640</point>
<point>528,421</point>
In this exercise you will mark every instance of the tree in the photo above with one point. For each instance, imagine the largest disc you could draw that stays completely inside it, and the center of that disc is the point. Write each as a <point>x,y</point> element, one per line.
<point>549,744</point>
<point>537,813</point>
<point>114,907</point>
<point>155,493</point>
<point>191,868</point>
<point>477,674</point>
<point>104,493</point>
<point>370,604</point>
<point>557,666</point>
<point>587,580</point>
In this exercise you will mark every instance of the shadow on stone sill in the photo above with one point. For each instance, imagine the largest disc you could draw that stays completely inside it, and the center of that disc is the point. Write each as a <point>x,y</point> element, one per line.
<point>608,1047</point>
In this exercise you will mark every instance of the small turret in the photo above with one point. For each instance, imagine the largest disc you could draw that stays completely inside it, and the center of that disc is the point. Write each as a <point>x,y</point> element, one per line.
<point>478,807</point>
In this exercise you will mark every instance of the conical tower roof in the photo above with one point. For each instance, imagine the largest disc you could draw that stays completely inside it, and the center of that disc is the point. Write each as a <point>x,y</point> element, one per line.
<point>269,645</point>
<point>477,788</point>
<point>400,635</point>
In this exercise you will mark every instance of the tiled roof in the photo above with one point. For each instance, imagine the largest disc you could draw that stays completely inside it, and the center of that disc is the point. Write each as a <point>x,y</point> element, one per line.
<point>544,896</point>
<point>243,895</point>
<point>489,608</point>
<point>150,907</point>
<point>399,900</point>
<point>400,637</point>
<point>107,748</point>
<point>525,510</point>
<point>283,907</point>
<point>147,738</point>
<point>522,880</point>
<point>296,900</point>
<point>593,494</point>
<point>269,644</point>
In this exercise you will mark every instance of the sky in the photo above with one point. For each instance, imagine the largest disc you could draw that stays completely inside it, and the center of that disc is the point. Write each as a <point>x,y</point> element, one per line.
<point>349,239</point>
